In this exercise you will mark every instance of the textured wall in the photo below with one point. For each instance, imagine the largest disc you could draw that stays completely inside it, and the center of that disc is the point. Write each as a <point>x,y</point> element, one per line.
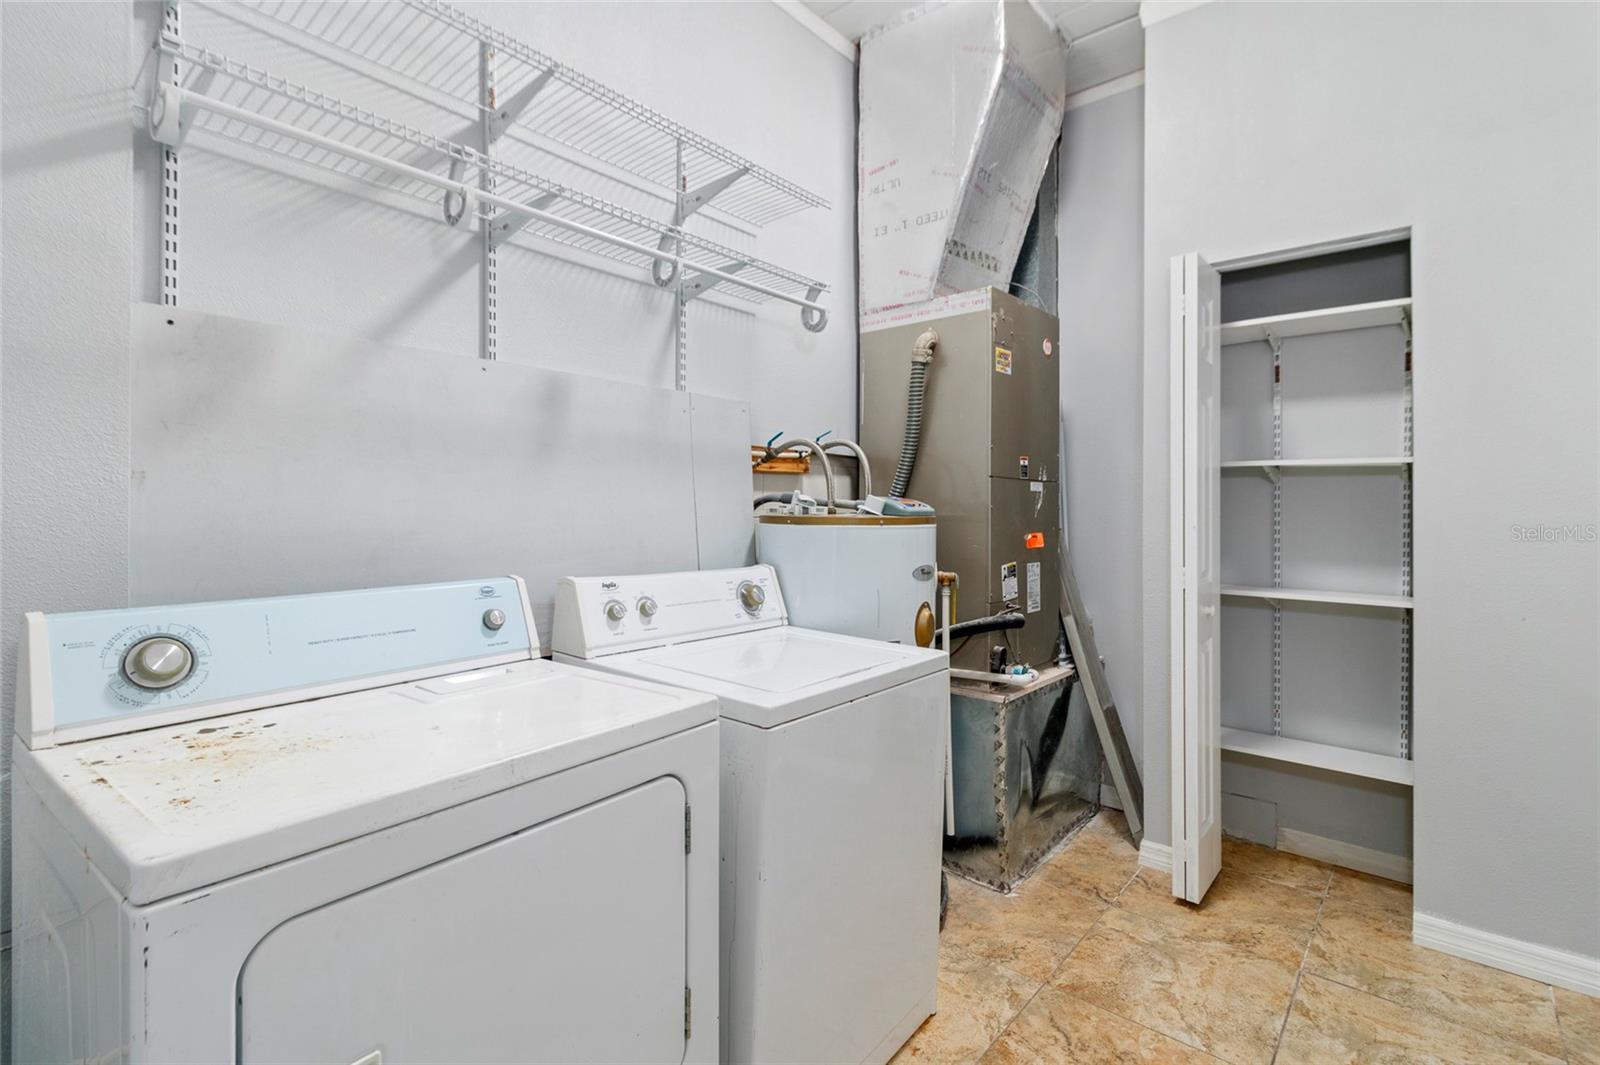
<point>81,223</point>
<point>64,217</point>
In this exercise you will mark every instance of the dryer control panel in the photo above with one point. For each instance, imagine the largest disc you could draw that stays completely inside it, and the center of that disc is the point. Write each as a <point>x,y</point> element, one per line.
<point>103,672</point>
<point>598,616</point>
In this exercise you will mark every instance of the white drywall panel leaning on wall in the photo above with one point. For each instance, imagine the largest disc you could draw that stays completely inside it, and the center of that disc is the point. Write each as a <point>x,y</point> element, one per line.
<point>348,464</point>
<point>1333,121</point>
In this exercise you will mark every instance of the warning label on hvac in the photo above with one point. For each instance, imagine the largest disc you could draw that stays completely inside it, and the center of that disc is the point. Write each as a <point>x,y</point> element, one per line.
<point>1033,587</point>
<point>1008,582</point>
<point>1002,360</point>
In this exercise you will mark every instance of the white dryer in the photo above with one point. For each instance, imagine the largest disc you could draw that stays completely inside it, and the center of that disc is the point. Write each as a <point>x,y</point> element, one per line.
<point>366,826</point>
<point>832,803</point>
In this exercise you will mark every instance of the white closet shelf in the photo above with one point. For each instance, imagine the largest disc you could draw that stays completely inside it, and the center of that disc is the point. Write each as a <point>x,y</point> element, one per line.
<point>1320,755</point>
<point>1306,595</point>
<point>1397,461</point>
<point>437,48</point>
<point>262,112</point>
<point>1307,323</point>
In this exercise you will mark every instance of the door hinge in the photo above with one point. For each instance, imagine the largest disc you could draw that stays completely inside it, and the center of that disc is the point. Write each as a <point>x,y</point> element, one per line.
<point>688,1014</point>
<point>688,830</point>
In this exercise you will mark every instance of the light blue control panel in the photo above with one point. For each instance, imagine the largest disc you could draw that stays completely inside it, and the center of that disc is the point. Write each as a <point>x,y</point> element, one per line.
<point>106,664</point>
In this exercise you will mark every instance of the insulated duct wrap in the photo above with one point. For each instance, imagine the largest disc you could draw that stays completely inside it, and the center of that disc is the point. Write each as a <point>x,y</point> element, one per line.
<point>961,105</point>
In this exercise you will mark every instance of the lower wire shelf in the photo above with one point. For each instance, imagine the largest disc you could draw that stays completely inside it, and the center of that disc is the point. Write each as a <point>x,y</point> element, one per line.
<point>1318,755</point>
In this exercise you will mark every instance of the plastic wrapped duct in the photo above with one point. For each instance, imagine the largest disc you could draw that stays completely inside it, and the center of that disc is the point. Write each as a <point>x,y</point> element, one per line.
<point>961,104</point>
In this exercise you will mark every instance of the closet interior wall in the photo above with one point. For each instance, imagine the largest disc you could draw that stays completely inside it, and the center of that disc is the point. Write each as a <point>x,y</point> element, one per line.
<point>1334,674</point>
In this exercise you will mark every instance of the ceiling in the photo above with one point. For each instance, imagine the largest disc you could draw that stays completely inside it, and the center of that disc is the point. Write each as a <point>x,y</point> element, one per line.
<point>1107,40</point>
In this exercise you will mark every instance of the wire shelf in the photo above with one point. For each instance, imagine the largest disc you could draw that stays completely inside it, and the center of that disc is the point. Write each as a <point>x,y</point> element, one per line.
<point>225,98</point>
<point>437,46</point>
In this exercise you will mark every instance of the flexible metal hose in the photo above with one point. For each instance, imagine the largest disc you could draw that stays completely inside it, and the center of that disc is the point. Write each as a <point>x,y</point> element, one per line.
<point>815,449</point>
<point>921,356</point>
<point>861,462</point>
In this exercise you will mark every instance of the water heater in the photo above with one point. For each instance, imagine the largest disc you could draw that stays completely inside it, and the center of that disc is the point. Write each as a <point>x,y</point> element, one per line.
<point>868,575</point>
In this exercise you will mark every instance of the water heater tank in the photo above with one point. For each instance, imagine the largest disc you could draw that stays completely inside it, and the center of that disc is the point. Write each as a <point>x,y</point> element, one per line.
<point>868,575</point>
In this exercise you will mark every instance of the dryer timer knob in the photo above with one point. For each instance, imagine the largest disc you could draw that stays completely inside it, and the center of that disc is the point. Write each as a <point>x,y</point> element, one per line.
<point>158,662</point>
<point>751,597</point>
<point>615,611</point>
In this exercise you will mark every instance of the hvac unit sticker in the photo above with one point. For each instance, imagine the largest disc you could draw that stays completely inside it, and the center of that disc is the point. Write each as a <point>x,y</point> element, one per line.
<point>1033,588</point>
<point>1008,582</point>
<point>1002,361</point>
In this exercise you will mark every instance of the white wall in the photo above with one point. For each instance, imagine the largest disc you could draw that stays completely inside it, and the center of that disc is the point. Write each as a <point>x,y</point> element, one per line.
<point>80,225</point>
<point>1272,126</point>
<point>1100,226</point>
<point>65,212</point>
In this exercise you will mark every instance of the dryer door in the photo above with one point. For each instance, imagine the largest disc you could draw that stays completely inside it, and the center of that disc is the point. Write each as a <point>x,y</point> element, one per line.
<point>562,943</point>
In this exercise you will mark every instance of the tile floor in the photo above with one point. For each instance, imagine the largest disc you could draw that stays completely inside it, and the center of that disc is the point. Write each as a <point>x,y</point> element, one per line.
<point>1287,960</point>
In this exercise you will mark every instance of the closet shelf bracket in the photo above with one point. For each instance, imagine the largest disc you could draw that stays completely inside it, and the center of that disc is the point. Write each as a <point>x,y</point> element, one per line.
<point>701,283</point>
<point>692,200</point>
<point>665,271</point>
<point>503,116</point>
<point>507,224</point>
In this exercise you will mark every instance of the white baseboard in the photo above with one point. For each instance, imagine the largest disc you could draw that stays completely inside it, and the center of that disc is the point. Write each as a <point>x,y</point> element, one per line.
<point>1348,855</point>
<point>1156,856</point>
<point>1550,965</point>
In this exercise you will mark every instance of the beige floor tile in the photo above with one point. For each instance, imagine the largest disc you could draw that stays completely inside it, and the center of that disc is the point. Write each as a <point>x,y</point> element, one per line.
<point>1241,911</point>
<point>1331,1023</point>
<point>1056,1027</point>
<point>1369,947</point>
<point>1177,978</point>
<point>1580,1024</point>
<point>977,999</point>
<point>1029,931</point>
<point>1101,860</point>
<point>1280,867</point>
<point>1374,892</point>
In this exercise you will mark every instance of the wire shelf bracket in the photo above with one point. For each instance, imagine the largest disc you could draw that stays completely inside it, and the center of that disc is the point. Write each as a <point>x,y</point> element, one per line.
<point>232,100</point>
<point>420,39</point>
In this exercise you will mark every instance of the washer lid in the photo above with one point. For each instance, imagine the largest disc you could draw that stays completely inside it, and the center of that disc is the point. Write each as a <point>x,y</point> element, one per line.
<point>172,809</point>
<point>770,677</point>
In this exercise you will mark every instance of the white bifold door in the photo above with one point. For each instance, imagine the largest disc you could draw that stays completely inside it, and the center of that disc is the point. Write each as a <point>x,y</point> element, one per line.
<point>1196,580</point>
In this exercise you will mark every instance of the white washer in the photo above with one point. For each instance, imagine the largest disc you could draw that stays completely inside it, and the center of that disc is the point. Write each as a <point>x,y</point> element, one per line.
<point>832,800</point>
<point>358,827</point>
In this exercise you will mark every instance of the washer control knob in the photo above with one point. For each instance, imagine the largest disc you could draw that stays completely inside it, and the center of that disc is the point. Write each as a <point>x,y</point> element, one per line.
<point>493,619</point>
<point>157,662</point>
<point>647,607</point>
<point>615,611</point>
<point>751,597</point>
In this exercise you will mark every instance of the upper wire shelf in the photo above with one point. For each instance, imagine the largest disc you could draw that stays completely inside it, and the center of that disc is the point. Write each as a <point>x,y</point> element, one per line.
<point>435,45</point>
<point>235,101</point>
